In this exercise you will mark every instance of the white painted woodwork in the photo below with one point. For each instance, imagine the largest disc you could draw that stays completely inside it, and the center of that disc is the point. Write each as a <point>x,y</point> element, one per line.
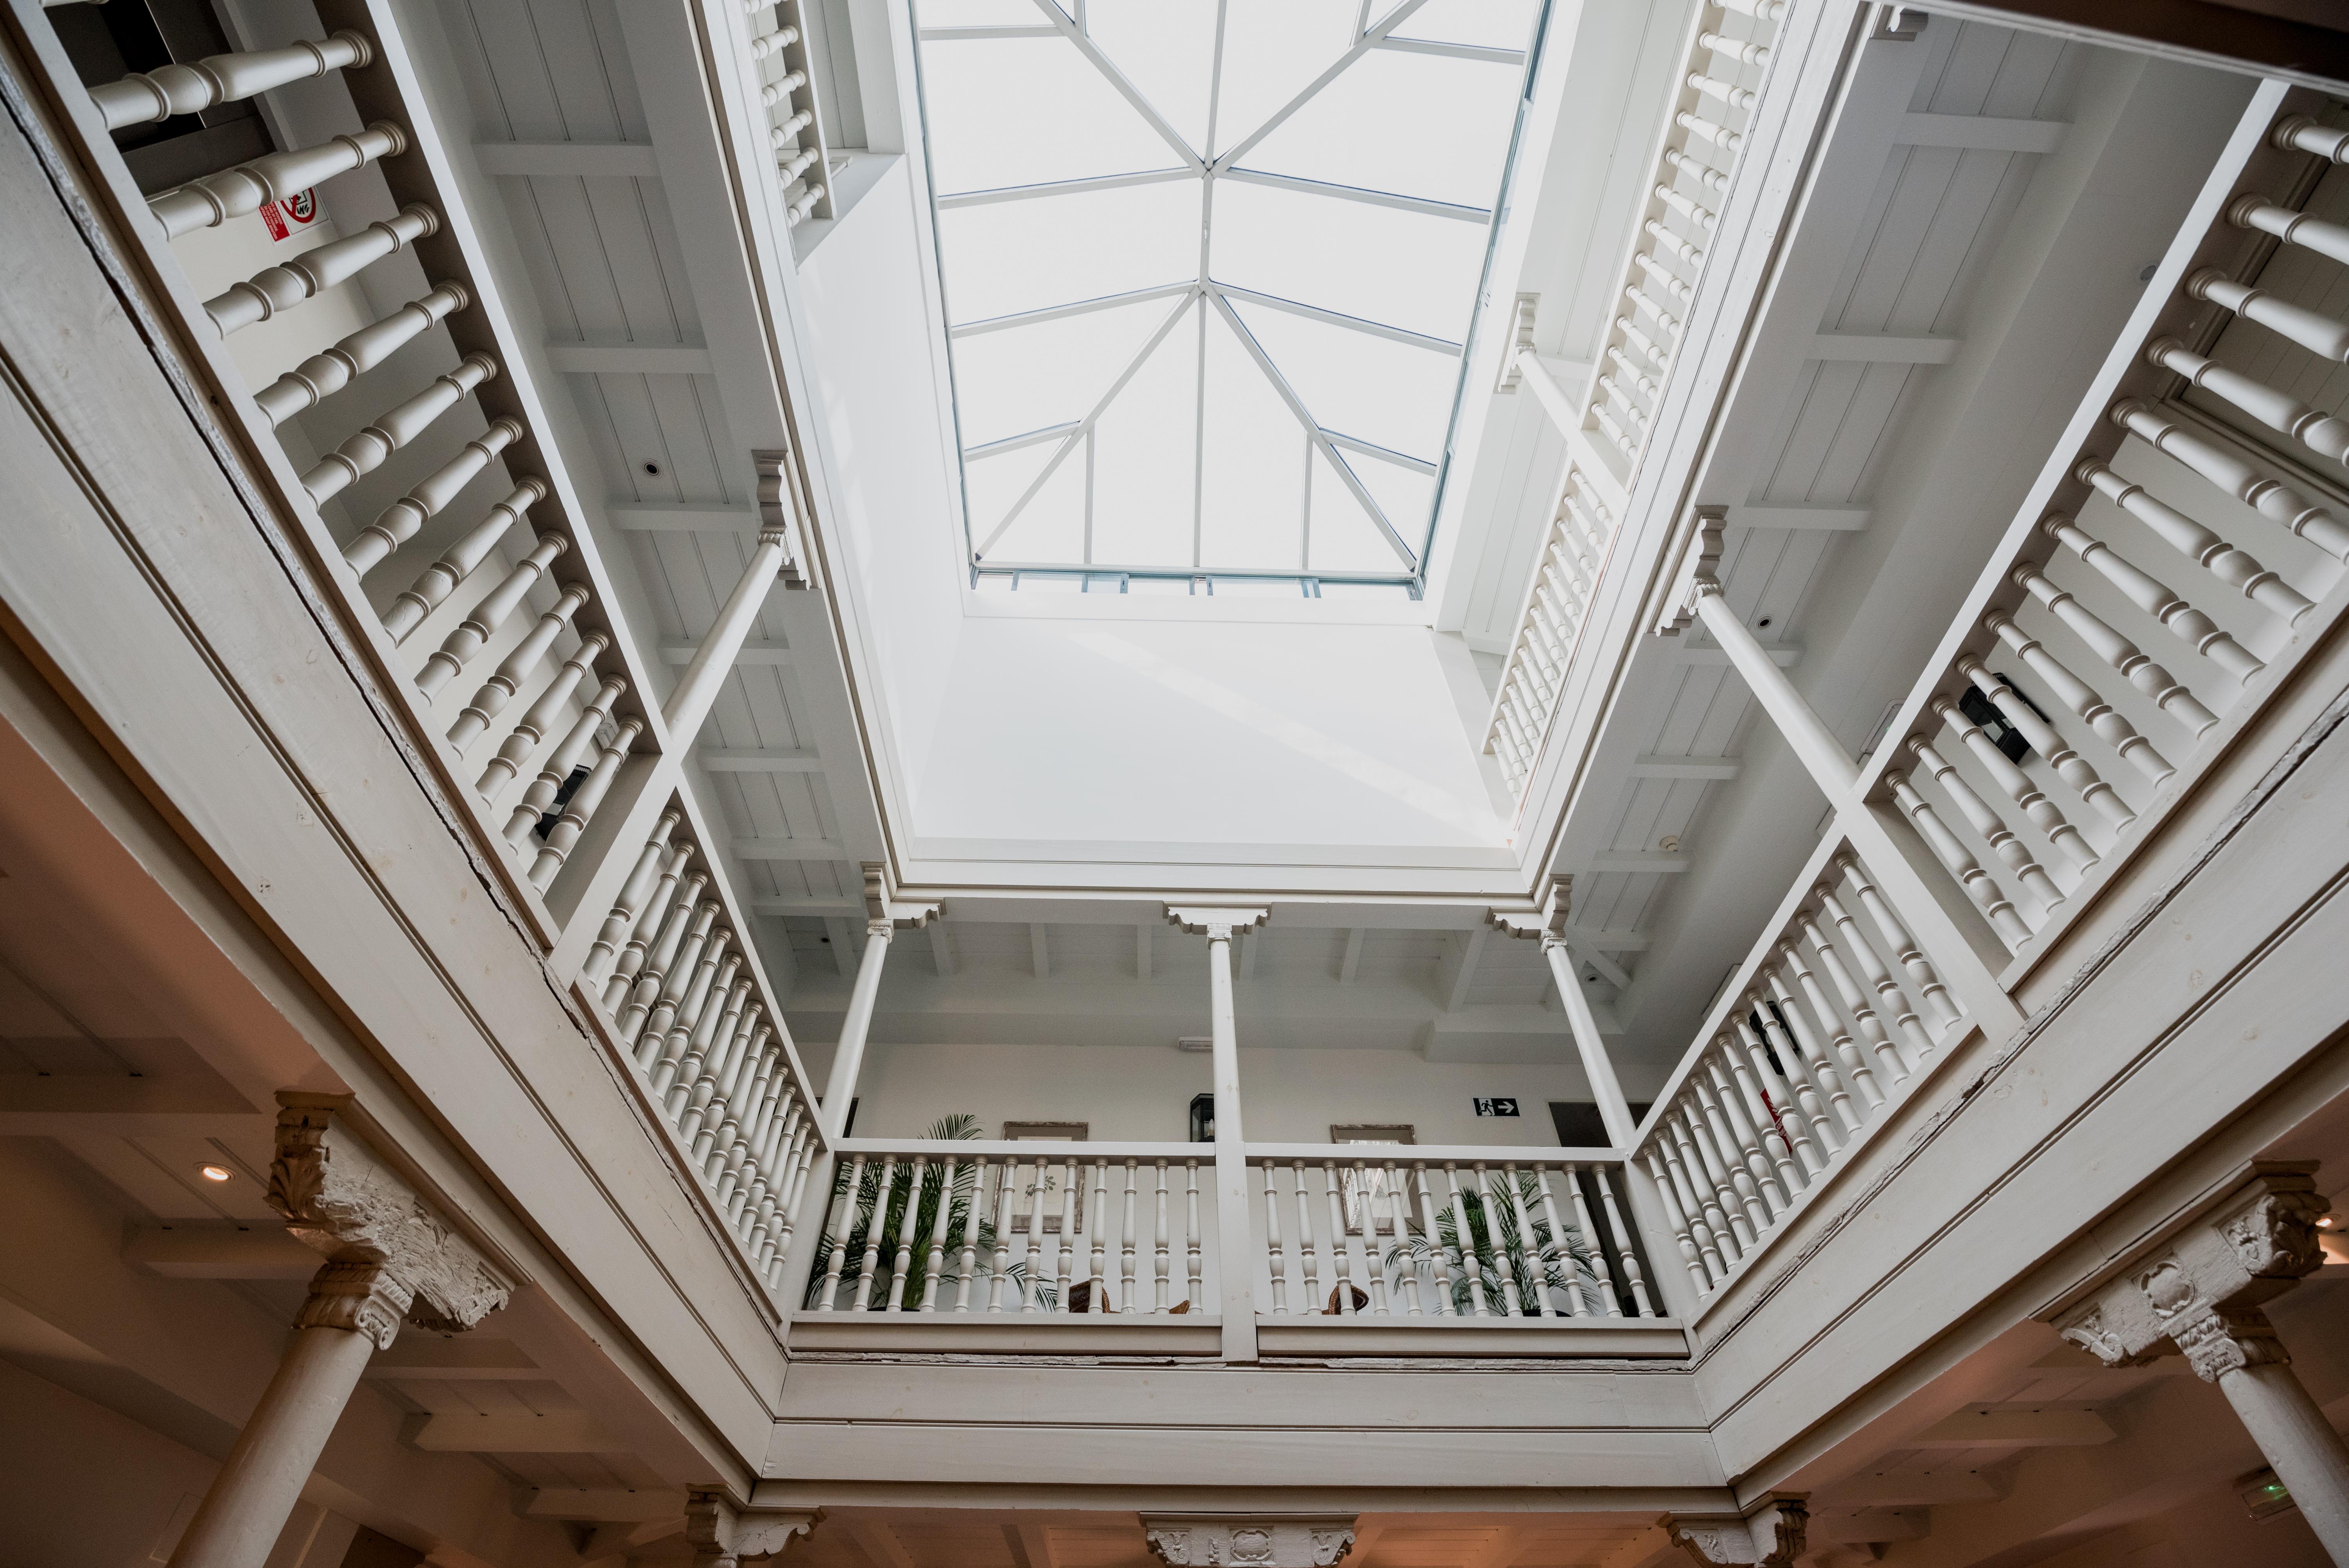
<point>216,198</point>
<point>149,96</point>
<point>574,159</point>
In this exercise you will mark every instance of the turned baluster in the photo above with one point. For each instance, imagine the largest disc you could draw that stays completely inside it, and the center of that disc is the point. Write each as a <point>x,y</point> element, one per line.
<point>843,1210</point>
<point>213,199</point>
<point>2279,411</point>
<point>1569,1270</point>
<point>1806,1126</point>
<point>741,1104</point>
<point>2009,846</point>
<point>1399,1224</point>
<point>1846,1050</point>
<point>1098,1278</point>
<point>668,989</point>
<point>516,670</point>
<point>1533,1292</point>
<point>1960,864</point>
<point>645,924</point>
<point>901,1262</point>
<point>2070,766</point>
<point>1431,1232</point>
<point>365,450</point>
<point>1711,131</point>
<point>1368,1181</point>
<point>1735,1160</point>
<point>2319,333</point>
<point>1856,1003</point>
<point>438,580</point>
<point>398,523</point>
<point>713,1030</point>
<point>276,290</point>
<point>1728,93</point>
<point>2081,698</point>
<point>696,1001</point>
<point>1036,1284</point>
<point>330,370</point>
<point>1668,323</point>
<point>1677,1217</point>
<point>1007,1182</point>
<point>1906,951</point>
<point>966,1234</point>
<point>564,837</point>
<point>1790,1035</point>
<point>718,1121</point>
<point>1760,10</point>
<point>1754,1104</point>
<point>937,1255</point>
<point>540,717</point>
<point>1275,1256</point>
<point>1065,1255</point>
<point>1703,173</point>
<point>1306,1261</point>
<point>2236,476</point>
<point>2178,618</point>
<point>1673,245</point>
<point>1193,1260</point>
<point>1722,1174</point>
<point>1472,1263</point>
<point>1126,1242</point>
<point>867,1265</point>
<point>1162,1262</point>
<point>1599,1272</point>
<point>1892,1000</point>
<point>2297,132</point>
<point>148,98</point>
<point>1724,1217</point>
<point>487,616</point>
<point>1342,1262</point>
<point>1625,1253</point>
<point>1667,1145</point>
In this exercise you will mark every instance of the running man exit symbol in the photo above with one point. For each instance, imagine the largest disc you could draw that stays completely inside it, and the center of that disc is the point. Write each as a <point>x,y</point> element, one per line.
<point>1495,1107</point>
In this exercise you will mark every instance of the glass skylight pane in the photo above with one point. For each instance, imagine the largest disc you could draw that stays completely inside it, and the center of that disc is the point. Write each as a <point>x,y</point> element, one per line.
<point>1050,527</point>
<point>993,485</point>
<point>1402,493</point>
<point>1028,110</point>
<point>1024,378</point>
<point>1383,264</point>
<point>1273,50</point>
<point>1343,538</point>
<point>1460,112</point>
<point>1144,457</point>
<point>1252,483</point>
<point>1166,48</point>
<point>1494,24</point>
<point>1009,256</point>
<point>1387,394</point>
<point>987,12</point>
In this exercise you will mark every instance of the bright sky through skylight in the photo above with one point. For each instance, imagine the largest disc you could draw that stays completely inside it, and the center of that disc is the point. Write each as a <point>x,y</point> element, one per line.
<point>1209,268</point>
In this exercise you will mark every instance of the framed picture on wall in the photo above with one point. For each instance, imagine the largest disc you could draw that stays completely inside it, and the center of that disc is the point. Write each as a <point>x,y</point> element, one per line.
<point>1041,1185</point>
<point>1365,1192</point>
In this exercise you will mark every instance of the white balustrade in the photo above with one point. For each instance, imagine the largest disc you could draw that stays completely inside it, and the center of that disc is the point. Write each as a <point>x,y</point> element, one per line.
<point>1573,555</point>
<point>276,290</point>
<point>330,370</point>
<point>212,200</point>
<point>150,96</point>
<point>364,452</point>
<point>1412,1233</point>
<point>1011,1229</point>
<point>777,61</point>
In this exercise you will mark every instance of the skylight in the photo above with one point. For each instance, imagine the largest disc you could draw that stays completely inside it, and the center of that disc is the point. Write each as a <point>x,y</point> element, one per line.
<point>1209,270</point>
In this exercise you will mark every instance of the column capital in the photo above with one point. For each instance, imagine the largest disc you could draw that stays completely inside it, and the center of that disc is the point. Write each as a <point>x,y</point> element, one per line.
<point>883,913</point>
<point>1248,1540</point>
<point>2197,1286</point>
<point>388,1255</point>
<point>778,513</point>
<point>1215,924</point>
<point>1693,557</point>
<point>1770,1536</point>
<point>723,1534</point>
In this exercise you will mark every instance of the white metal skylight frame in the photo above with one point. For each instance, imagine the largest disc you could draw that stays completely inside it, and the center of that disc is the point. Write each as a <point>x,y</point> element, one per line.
<point>1207,292</point>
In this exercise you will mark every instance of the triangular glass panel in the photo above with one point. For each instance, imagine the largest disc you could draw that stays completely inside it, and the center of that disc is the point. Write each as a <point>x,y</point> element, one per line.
<point>1026,111</point>
<point>1252,478</point>
<point>1389,394</point>
<point>1146,459</point>
<point>1342,537</point>
<point>1381,264</point>
<point>1023,378</point>
<point>1404,494</point>
<point>980,14</point>
<point>1002,258</point>
<point>1051,526</point>
<point>1462,112</point>
<point>1166,49</point>
<point>1485,23</point>
<point>992,485</point>
<point>1273,50</point>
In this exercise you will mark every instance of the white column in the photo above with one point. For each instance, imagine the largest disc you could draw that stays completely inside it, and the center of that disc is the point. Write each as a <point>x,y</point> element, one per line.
<point>387,1256</point>
<point>689,705</point>
<point>1821,752</point>
<point>848,1057</point>
<point>1236,1262</point>
<point>1614,1111</point>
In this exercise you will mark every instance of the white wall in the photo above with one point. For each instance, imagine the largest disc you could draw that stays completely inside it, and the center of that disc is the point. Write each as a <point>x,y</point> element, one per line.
<point>1145,1093</point>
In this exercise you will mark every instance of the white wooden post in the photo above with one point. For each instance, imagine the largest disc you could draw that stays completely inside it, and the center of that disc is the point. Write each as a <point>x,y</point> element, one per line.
<point>696,689</point>
<point>1236,1266</point>
<point>848,1057</point>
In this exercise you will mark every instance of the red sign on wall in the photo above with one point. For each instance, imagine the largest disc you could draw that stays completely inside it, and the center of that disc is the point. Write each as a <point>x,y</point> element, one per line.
<point>288,218</point>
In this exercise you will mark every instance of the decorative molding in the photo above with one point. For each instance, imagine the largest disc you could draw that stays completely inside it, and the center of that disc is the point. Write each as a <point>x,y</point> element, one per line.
<point>883,913</point>
<point>1694,554</point>
<point>1250,1540</point>
<point>724,1535</point>
<point>2198,1286</point>
<point>779,515</point>
<point>388,1255</point>
<point>1521,343</point>
<point>1772,1536</point>
<point>1216,925</point>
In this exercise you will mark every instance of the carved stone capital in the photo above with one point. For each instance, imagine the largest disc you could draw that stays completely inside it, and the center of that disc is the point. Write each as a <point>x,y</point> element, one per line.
<point>1771,1537</point>
<point>2197,1287</point>
<point>1250,1540</point>
<point>1216,924</point>
<point>342,1202</point>
<point>364,1298</point>
<point>1694,554</point>
<point>723,1535</point>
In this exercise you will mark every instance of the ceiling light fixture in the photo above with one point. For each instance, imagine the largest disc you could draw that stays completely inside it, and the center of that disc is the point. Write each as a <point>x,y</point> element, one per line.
<point>214,1173</point>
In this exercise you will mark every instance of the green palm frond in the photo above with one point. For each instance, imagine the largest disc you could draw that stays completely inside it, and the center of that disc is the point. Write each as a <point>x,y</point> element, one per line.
<point>907,1223</point>
<point>1496,1245</point>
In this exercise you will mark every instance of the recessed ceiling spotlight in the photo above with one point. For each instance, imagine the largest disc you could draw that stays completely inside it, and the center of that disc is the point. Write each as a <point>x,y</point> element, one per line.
<point>214,1173</point>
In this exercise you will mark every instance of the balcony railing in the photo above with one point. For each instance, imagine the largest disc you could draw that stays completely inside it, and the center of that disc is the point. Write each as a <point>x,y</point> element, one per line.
<point>781,76</point>
<point>2184,552</point>
<point>504,660</point>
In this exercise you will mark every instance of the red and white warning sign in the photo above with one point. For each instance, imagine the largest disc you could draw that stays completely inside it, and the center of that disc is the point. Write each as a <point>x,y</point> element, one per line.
<point>288,218</point>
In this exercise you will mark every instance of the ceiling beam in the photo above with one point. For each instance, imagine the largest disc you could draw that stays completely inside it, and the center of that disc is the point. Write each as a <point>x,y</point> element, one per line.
<point>1420,204</point>
<point>1883,348</point>
<point>1841,518</point>
<point>782,847</point>
<point>1469,948</point>
<point>1982,133</point>
<point>843,942</point>
<point>1039,952</point>
<point>583,160</point>
<point>1608,941</point>
<point>630,358</point>
<point>681,517</point>
<point>602,1505</point>
<point>1141,953</point>
<point>554,1432</point>
<point>942,955</point>
<point>1685,768</point>
<point>767,759</point>
<point>807,906</point>
<point>1780,654</point>
<point>1249,941</point>
<point>1640,862</point>
<point>1351,964</point>
<point>751,654</point>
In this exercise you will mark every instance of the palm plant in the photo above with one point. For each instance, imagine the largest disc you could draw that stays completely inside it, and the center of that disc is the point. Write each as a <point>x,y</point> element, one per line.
<point>1492,1238</point>
<point>909,1220</point>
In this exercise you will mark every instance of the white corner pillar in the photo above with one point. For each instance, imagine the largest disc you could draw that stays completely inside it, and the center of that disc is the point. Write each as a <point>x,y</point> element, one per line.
<point>2198,1290</point>
<point>387,1258</point>
<point>696,689</point>
<point>883,918</point>
<point>1771,1536</point>
<point>725,1534</point>
<point>1235,1249</point>
<point>1614,1111</point>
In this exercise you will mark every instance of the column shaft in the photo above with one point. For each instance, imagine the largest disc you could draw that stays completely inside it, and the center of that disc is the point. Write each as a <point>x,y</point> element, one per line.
<point>1613,1111</point>
<point>2308,1455</point>
<point>1821,752</point>
<point>689,705</point>
<point>848,1057</point>
<point>1236,1270</point>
